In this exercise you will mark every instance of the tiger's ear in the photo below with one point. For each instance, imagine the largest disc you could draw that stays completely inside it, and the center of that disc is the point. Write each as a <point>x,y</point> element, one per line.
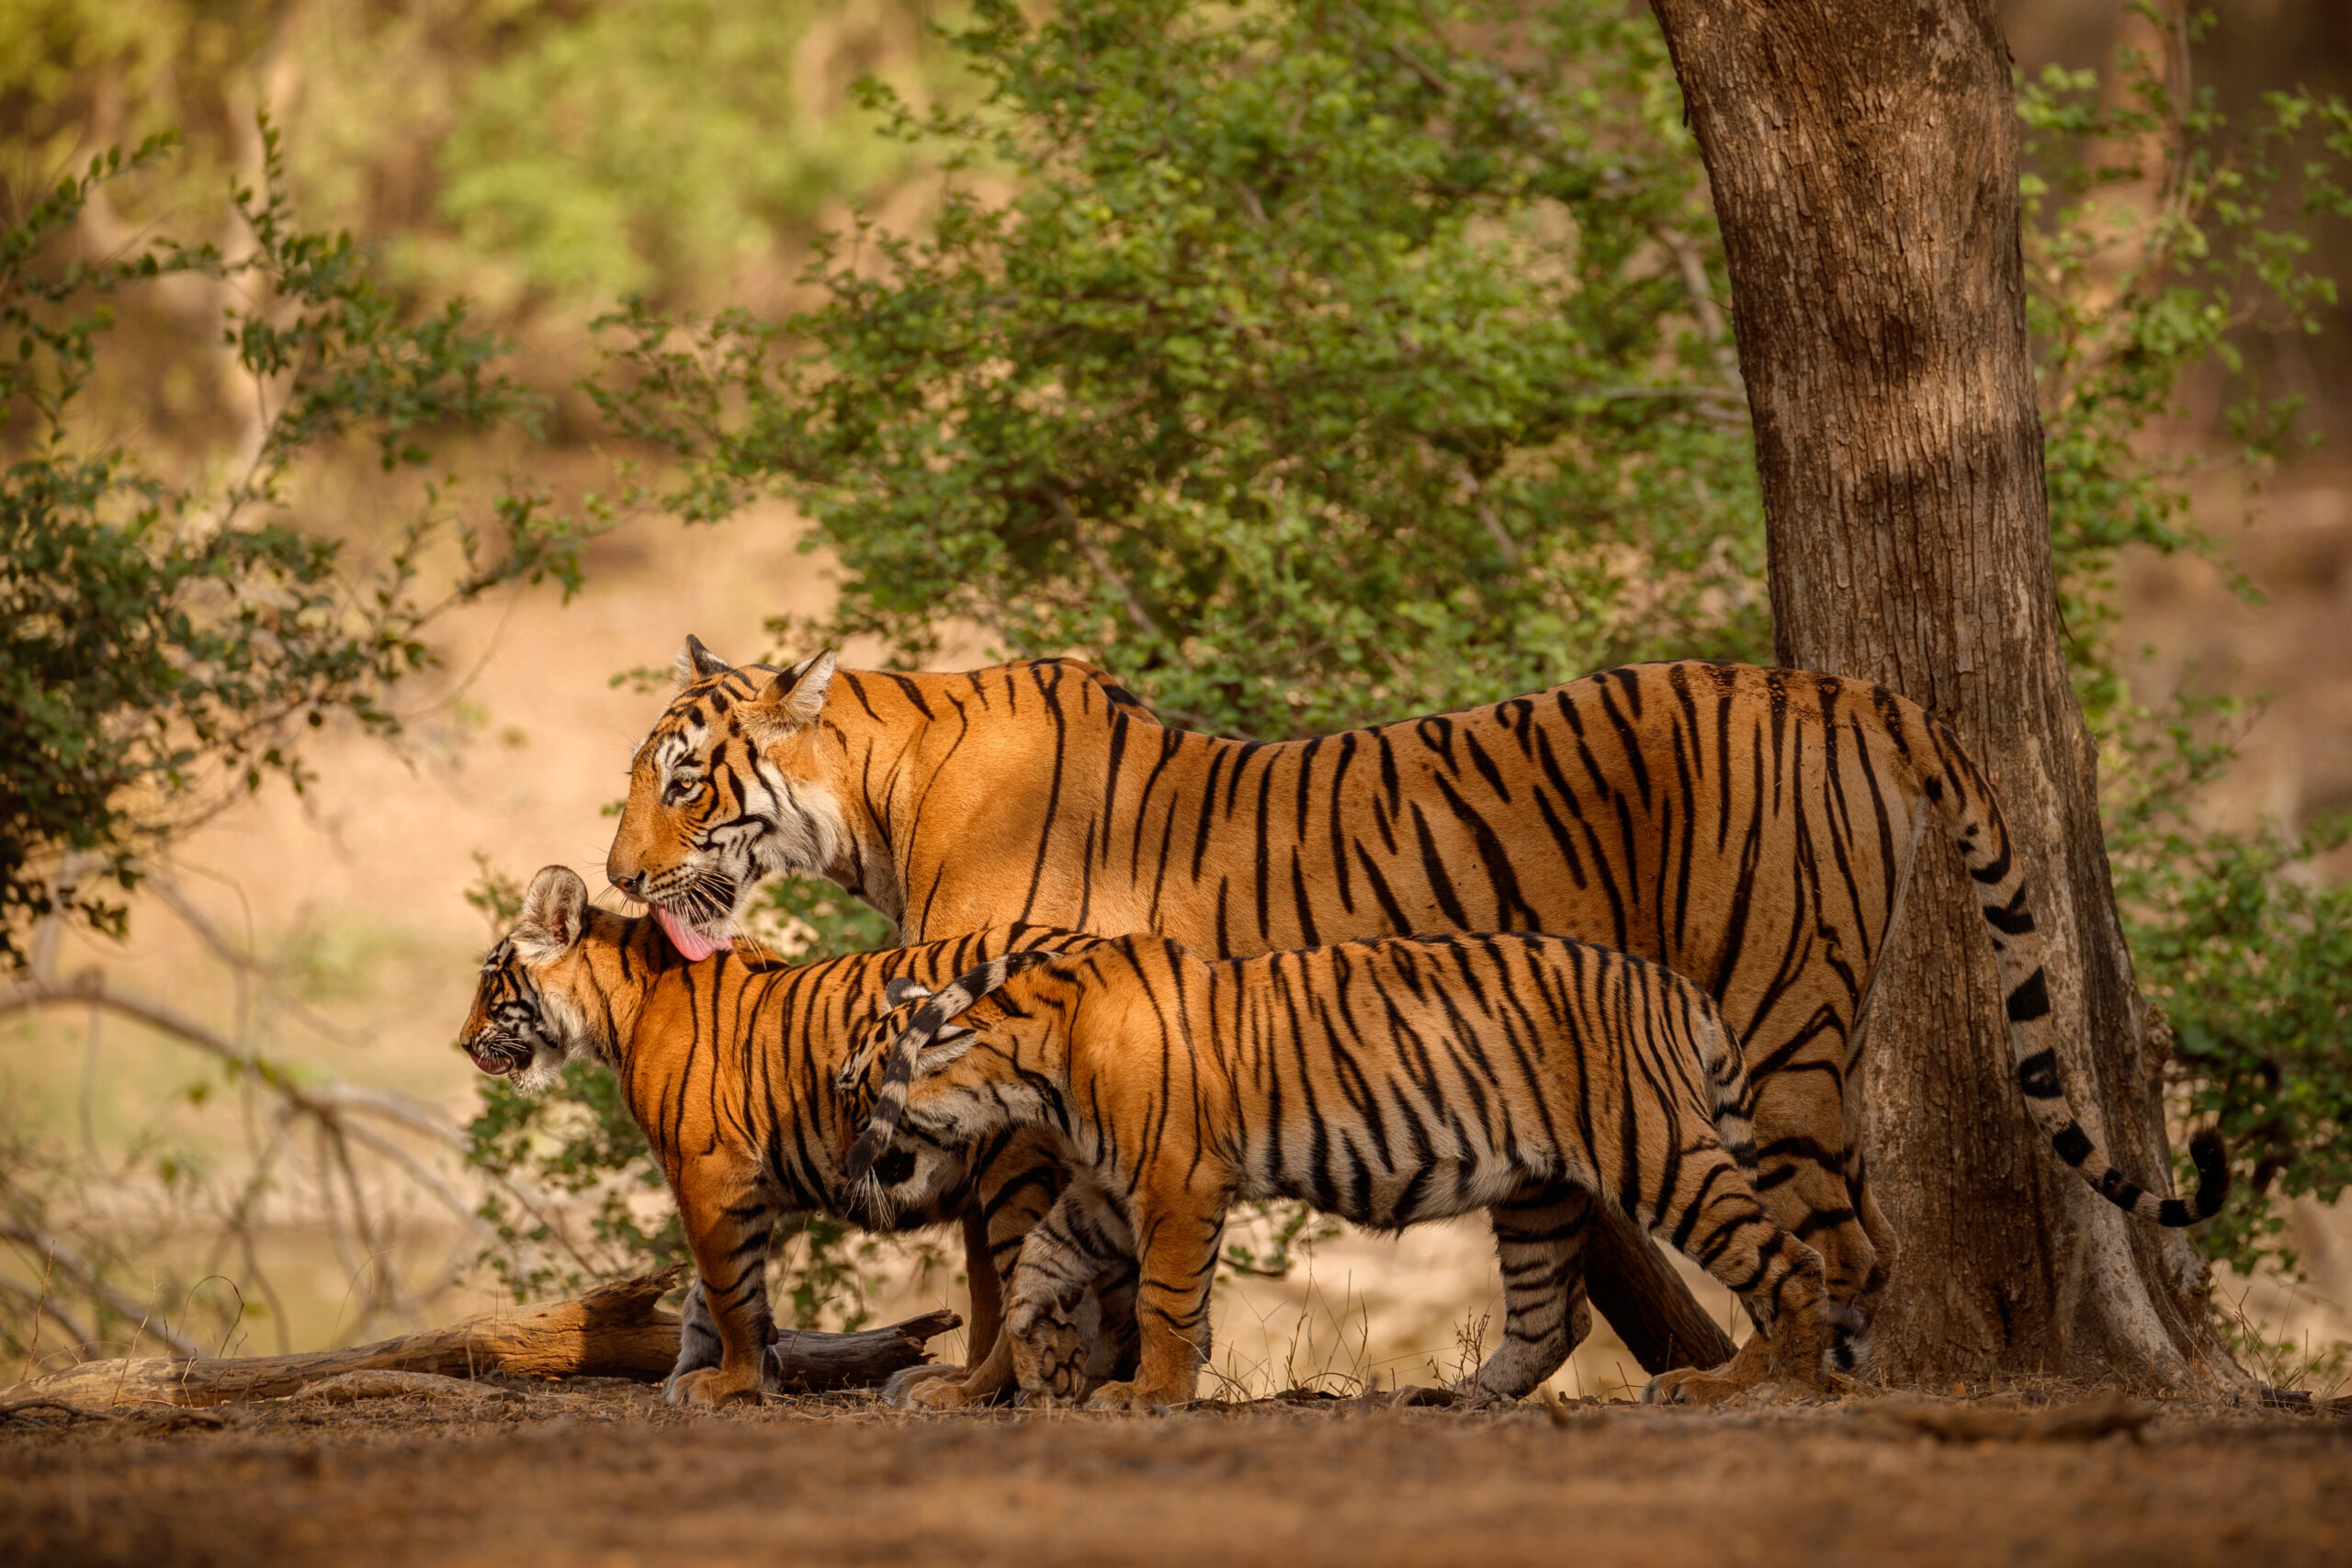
<point>696,662</point>
<point>898,993</point>
<point>555,914</point>
<point>946,1048</point>
<point>951,1039</point>
<point>793,699</point>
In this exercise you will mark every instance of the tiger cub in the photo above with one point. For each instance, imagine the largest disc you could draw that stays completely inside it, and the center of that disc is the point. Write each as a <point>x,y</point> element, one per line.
<point>1388,1082</point>
<point>728,1065</point>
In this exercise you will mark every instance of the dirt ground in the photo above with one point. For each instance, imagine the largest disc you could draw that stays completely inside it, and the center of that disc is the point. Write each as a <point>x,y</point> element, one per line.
<point>607,1475</point>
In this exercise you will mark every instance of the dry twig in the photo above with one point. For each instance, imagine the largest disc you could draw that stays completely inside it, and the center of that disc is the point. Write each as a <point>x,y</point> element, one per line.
<point>77,1267</point>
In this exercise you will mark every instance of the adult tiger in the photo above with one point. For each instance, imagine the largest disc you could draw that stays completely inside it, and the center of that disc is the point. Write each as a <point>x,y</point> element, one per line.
<point>1751,828</point>
<point>729,1068</point>
<point>1389,1082</point>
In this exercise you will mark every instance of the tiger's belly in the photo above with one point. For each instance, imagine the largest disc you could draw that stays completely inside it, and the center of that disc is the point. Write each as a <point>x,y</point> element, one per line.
<point>1343,1176</point>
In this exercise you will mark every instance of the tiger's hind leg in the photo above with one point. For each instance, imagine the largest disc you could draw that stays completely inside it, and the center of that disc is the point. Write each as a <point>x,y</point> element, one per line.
<point>1805,1160</point>
<point>1083,1245</point>
<point>1016,1187</point>
<point>1539,1239</point>
<point>1714,1217</point>
<point>698,1345</point>
<point>1851,1345</point>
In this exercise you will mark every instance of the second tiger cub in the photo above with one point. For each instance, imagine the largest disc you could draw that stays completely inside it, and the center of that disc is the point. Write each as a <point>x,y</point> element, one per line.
<point>1387,1082</point>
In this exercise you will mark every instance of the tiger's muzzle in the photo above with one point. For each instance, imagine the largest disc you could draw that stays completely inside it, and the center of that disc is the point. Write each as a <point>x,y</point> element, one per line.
<point>496,1053</point>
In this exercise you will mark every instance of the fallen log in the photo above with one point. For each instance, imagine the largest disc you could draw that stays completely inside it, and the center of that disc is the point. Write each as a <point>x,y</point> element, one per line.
<point>803,1360</point>
<point>616,1330</point>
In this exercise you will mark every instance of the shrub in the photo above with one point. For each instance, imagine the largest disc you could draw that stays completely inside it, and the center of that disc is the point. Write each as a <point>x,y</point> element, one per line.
<point>166,644</point>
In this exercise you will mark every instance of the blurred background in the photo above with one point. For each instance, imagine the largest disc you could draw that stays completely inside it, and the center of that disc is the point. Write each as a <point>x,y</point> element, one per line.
<point>289,1165</point>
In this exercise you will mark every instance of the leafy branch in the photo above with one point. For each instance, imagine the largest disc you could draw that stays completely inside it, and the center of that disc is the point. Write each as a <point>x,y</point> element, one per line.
<point>164,645</point>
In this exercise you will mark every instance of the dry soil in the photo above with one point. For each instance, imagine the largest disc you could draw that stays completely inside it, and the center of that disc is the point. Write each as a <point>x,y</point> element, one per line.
<point>605,1475</point>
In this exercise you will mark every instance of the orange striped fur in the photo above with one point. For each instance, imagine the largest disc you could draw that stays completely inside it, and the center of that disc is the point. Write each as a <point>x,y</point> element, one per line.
<point>1390,1083</point>
<point>730,1067</point>
<point>1751,828</point>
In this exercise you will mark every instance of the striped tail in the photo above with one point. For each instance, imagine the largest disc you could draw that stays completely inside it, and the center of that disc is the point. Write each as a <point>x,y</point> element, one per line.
<point>1966,800</point>
<point>941,1009</point>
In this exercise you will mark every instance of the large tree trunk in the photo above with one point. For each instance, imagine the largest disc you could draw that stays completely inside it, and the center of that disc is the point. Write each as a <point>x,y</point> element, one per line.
<point>1863,156</point>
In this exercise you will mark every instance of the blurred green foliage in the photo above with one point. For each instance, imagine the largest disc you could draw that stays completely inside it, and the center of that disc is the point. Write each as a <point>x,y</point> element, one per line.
<point>1320,367</point>
<point>2250,957</point>
<point>165,644</point>
<point>532,154</point>
<point>2157,235</point>
<point>654,146</point>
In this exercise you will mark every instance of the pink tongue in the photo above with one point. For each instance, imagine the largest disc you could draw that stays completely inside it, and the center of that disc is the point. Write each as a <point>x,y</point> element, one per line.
<point>691,943</point>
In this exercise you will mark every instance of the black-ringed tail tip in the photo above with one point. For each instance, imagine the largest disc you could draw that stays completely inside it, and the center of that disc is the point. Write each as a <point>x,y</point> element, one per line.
<point>863,1155</point>
<point>2206,1151</point>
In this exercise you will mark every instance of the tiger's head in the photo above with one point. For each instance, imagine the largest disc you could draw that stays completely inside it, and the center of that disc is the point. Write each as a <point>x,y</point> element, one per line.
<point>734,785</point>
<point>544,995</point>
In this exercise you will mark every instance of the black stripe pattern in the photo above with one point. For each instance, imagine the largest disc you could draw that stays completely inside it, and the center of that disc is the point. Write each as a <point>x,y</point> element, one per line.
<point>1390,1083</point>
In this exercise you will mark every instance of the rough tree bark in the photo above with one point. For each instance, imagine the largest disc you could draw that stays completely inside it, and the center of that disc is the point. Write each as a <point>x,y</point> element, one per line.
<point>1863,158</point>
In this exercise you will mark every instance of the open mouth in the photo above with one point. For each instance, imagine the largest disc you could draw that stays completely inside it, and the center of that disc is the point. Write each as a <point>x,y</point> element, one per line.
<point>497,1058</point>
<point>692,944</point>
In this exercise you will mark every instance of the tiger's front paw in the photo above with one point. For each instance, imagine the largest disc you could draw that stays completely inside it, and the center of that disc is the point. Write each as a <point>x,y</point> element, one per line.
<point>956,1388</point>
<point>1759,1361</point>
<point>1049,1361</point>
<point>907,1386</point>
<point>946,1393</point>
<point>1475,1395</point>
<point>1687,1385</point>
<point>1136,1397</point>
<point>711,1387</point>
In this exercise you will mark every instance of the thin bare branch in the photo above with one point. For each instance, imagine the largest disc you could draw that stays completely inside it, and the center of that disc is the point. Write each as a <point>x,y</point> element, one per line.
<point>392,1106</point>
<point>42,1303</point>
<point>417,1171</point>
<point>79,1270</point>
<point>323,1102</point>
